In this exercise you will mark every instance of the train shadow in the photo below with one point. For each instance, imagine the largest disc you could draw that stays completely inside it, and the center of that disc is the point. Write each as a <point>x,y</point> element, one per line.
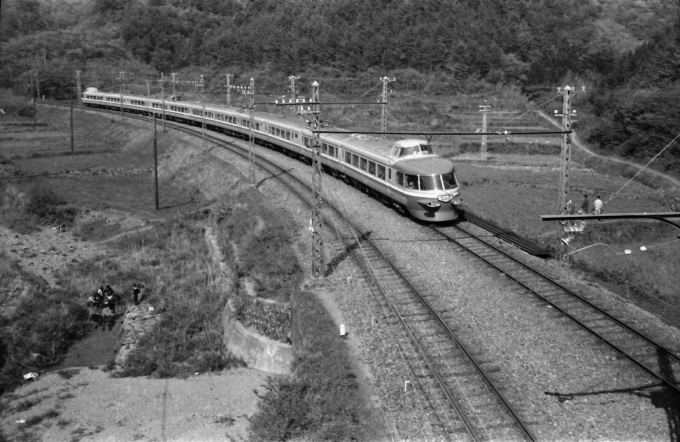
<point>335,262</point>
<point>660,395</point>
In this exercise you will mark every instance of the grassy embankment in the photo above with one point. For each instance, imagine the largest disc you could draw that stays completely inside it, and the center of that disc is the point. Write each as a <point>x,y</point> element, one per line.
<point>319,401</point>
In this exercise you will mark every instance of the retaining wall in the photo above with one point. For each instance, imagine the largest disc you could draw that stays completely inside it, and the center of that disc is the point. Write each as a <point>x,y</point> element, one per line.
<point>256,350</point>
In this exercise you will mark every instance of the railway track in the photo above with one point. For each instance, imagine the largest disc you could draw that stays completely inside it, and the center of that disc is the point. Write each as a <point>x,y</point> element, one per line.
<point>462,401</point>
<point>655,359</point>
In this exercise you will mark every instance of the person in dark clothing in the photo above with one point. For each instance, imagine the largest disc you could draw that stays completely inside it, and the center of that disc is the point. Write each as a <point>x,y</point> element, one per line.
<point>135,293</point>
<point>585,205</point>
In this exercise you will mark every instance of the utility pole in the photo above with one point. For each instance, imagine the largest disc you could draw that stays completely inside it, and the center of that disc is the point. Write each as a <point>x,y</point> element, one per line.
<point>37,84</point>
<point>121,79</point>
<point>293,96</point>
<point>155,158</point>
<point>251,111</point>
<point>318,254</point>
<point>229,76</point>
<point>565,161</point>
<point>483,108</point>
<point>162,83</point>
<point>174,80</point>
<point>148,88</point>
<point>71,99</point>
<point>79,89</point>
<point>383,125</point>
<point>202,85</point>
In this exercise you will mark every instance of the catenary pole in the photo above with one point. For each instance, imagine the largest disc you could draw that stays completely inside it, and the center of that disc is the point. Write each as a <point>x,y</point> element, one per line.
<point>318,253</point>
<point>483,108</point>
<point>251,112</point>
<point>155,158</point>
<point>293,95</point>
<point>565,163</point>
<point>383,120</point>
<point>229,76</point>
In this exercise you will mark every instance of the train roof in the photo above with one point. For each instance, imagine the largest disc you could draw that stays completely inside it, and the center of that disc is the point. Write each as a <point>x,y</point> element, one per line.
<point>432,165</point>
<point>369,143</point>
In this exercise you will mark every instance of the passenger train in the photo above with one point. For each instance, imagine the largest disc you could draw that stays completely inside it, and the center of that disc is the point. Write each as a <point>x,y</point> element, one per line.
<point>406,173</point>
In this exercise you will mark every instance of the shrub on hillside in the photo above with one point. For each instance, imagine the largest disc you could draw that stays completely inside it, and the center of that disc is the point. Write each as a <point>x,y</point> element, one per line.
<point>49,207</point>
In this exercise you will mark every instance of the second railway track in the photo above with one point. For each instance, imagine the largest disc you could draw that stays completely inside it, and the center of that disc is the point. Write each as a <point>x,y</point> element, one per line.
<point>650,356</point>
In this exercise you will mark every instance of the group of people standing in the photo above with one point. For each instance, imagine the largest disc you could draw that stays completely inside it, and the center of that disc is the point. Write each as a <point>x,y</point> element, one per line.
<point>103,303</point>
<point>598,205</point>
<point>571,227</point>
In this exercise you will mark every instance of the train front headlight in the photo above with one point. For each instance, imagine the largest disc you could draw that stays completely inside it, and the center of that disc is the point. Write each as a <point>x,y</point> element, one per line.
<point>445,198</point>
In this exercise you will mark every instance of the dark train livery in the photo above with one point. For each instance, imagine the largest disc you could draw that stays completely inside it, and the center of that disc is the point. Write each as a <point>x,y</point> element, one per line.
<point>406,173</point>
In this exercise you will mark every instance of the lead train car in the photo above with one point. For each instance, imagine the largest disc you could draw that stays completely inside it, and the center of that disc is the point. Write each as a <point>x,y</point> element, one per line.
<point>406,173</point>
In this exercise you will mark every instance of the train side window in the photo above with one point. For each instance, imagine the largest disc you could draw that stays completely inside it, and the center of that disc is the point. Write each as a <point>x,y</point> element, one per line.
<point>371,167</point>
<point>363,163</point>
<point>348,158</point>
<point>324,148</point>
<point>332,152</point>
<point>355,160</point>
<point>389,174</point>
<point>381,172</point>
<point>400,178</point>
<point>288,135</point>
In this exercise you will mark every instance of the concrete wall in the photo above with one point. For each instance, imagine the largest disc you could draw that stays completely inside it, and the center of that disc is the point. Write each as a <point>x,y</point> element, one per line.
<point>256,350</point>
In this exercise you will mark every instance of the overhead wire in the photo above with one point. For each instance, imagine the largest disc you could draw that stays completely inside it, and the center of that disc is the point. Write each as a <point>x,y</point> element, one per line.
<point>615,194</point>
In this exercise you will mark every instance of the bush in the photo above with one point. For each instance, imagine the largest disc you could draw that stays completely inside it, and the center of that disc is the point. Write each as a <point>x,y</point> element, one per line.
<point>49,207</point>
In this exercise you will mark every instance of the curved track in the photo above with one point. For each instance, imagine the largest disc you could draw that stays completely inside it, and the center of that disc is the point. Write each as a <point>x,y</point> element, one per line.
<point>655,359</point>
<point>463,403</point>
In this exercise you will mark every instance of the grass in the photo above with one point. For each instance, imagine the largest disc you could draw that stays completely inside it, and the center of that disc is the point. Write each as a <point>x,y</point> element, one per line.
<point>322,399</point>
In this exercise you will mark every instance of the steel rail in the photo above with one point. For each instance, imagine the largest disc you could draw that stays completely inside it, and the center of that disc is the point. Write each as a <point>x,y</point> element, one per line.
<point>673,385</point>
<point>416,342</point>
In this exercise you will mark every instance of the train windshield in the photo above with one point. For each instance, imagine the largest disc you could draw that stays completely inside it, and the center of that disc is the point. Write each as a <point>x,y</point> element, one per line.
<point>449,180</point>
<point>430,182</point>
<point>436,182</point>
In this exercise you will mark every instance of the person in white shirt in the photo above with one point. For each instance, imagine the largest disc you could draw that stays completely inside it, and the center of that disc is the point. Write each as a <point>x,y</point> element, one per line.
<point>597,206</point>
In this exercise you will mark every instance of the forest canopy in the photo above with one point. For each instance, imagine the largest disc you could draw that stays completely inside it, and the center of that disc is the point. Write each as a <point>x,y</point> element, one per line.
<point>626,51</point>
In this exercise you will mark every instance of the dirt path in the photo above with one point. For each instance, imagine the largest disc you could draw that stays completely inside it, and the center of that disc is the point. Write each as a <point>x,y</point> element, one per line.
<point>580,145</point>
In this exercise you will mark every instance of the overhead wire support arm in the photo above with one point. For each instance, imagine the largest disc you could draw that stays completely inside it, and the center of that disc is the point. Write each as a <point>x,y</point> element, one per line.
<point>504,133</point>
<point>659,216</point>
<point>325,104</point>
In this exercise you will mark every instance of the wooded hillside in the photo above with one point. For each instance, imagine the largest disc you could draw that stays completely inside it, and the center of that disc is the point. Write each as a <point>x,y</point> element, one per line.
<point>625,51</point>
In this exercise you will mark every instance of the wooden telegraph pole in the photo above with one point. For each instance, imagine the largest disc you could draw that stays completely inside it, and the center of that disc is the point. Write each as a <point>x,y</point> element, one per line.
<point>483,108</point>
<point>162,81</point>
<point>148,88</point>
<point>79,89</point>
<point>565,163</point>
<point>71,100</point>
<point>383,125</point>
